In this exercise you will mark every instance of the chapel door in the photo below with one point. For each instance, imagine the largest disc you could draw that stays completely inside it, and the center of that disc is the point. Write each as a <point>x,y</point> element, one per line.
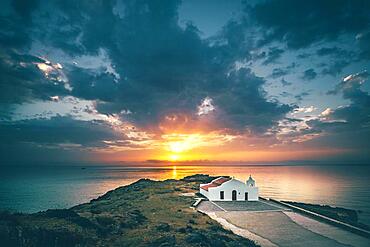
<point>246,196</point>
<point>234,195</point>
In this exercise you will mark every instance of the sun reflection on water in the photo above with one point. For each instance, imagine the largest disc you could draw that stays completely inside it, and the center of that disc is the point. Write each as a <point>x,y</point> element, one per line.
<point>174,172</point>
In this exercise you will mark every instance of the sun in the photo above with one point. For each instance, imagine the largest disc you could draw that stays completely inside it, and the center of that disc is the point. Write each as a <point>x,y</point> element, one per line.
<point>174,157</point>
<point>178,146</point>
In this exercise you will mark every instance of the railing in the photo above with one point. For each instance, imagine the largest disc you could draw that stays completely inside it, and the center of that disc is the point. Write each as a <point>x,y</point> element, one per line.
<point>326,219</point>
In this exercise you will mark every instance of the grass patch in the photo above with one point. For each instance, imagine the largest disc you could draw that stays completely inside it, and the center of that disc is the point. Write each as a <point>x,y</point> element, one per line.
<point>145,213</point>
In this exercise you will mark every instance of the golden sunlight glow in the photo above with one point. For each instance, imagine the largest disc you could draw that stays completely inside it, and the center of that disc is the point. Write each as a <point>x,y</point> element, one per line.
<point>178,143</point>
<point>178,146</point>
<point>174,157</point>
<point>45,68</point>
<point>174,172</point>
<point>181,146</point>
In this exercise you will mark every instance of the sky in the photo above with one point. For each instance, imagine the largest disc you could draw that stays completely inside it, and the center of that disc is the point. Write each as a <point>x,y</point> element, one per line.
<point>222,80</point>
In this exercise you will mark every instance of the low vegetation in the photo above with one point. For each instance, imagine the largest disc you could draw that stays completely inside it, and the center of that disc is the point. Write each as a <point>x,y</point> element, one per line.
<point>145,213</point>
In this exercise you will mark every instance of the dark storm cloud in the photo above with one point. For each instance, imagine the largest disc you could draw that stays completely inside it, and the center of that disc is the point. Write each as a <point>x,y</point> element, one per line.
<point>336,51</point>
<point>339,59</point>
<point>90,85</point>
<point>347,126</point>
<point>258,113</point>
<point>363,41</point>
<point>302,23</point>
<point>21,80</point>
<point>56,130</point>
<point>15,19</point>
<point>335,68</point>
<point>352,134</point>
<point>55,139</point>
<point>350,86</point>
<point>24,8</point>
<point>160,69</point>
<point>167,68</point>
<point>304,55</point>
<point>309,74</point>
<point>157,67</point>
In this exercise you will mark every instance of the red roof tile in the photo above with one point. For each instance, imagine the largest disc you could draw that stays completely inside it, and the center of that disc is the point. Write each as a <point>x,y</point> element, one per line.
<point>215,183</point>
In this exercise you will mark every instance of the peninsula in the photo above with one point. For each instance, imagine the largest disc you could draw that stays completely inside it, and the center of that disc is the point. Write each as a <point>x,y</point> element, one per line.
<point>173,213</point>
<point>145,213</point>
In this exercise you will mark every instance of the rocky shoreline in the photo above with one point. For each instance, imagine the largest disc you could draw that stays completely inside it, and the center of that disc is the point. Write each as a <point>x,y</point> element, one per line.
<point>145,213</point>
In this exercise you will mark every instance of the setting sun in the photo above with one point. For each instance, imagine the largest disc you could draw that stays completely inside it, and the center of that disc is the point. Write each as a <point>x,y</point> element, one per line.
<point>174,157</point>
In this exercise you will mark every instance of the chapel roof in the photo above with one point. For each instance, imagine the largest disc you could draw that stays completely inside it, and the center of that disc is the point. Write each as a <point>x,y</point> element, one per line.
<point>215,183</point>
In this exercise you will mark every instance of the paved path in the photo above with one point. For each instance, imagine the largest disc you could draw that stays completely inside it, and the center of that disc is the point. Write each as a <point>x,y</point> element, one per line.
<point>278,228</point>
<point>247,206</point>
<point>208,206</point>
<point>329,231</point>
<point>271,225</point>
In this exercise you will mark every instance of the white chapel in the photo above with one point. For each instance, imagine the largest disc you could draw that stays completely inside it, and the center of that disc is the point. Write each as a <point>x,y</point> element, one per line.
<point>230,189</point>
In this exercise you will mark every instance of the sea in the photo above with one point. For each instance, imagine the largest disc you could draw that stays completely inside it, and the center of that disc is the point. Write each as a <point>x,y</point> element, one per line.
<point>31,189</point>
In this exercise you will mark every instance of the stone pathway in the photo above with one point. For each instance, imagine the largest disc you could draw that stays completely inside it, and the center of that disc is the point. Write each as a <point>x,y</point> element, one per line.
<point>269,224</point>
<point>278,228</point>
<point>209,206</point>
<point>329,231</point>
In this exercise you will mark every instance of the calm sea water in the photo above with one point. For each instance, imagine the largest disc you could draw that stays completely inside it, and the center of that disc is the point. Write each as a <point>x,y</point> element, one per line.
<point>27,189</point>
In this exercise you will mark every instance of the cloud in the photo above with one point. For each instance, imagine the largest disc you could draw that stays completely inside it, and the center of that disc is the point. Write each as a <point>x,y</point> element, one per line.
<point>62,138</point>
<point>279,72</point>
<point>309,74</point>
<point>25,77</point>
<point>326,112</point>
<point>116,76</point>
<point>357,113</point>
<point>206,106</point>
<point>245,105</point>
<point>335,68</point>
<point>285,82</point>
<point>285,94</point>
<point>56,130</point>
<point>333,51</point>
<point>346,126</point>
<point>130,71</point>
<point>273,55</point>
<point>299,97</point>
<point>168,67</point>
<point>309,22</point>
<point>350,85</point>
<point>357,78</point>
<point>363,41</point>
<point>308,109</point>
<point>338,59</point>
